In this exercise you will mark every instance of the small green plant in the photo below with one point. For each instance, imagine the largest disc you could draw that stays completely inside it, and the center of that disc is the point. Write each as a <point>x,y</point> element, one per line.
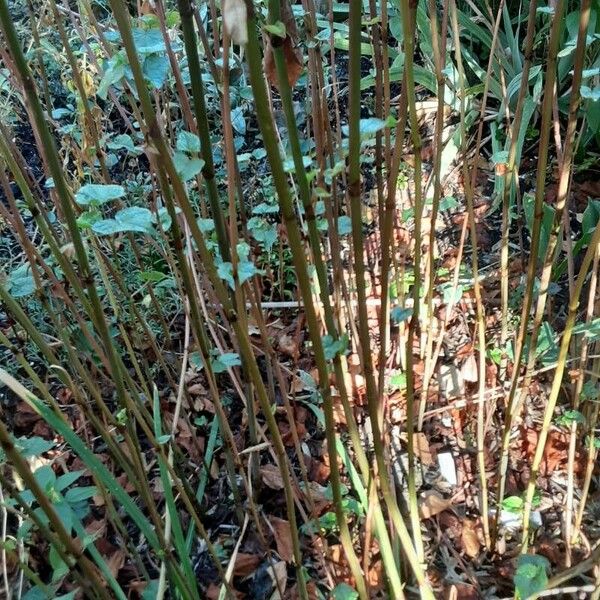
<point>531,575</point>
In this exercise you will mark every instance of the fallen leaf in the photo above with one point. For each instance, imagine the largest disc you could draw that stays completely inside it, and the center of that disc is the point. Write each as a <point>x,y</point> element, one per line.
<point>245,564</point>
<point>469,538</point>
<point>271,477</point>
<point>468,369</point>
<point>278,573</point>
<point>432,503</point>
<point>287,344</point>
<point>235,18</point>
<point>422,449</point>
<point>115,561</point>
<point>283,538</point>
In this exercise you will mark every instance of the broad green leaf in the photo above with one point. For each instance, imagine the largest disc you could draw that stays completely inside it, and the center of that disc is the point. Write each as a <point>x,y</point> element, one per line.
<point>342,591</point>
<point>590,330</point>
<point>156,69</point>
<point>399,314</point>
<point>135,218</point>
<point>222,362</point>
<point>589,93</point>
<point>64,481</point>
<point>265,208</point>
<point>96,193</point>
<point>186,167</point>
<point>123,142</point>
<point>78,494</point>
<point>188,142</point>
<point>238,121</point>
<point>513,504</point>
<point>263,232</point>
<point>148,41</point>
<point>20,282</point>
<point>106,227</point>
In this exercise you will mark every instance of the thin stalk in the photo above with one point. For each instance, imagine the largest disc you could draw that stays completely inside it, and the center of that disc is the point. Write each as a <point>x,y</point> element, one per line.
<point>408,13</point>
<point>480,316</point>
<point>315,245</point>
<point>557,382</point>
<point>254,59</point>
<point>438,42</point>
<point>199,102</point>
<point>535,237</point>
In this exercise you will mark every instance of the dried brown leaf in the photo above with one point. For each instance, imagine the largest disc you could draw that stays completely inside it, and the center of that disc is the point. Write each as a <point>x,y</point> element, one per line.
<point>271,477</point>
<point>283,538</point>
<point>470,539</point>
<point>432,503</point>
<point>245,564</point>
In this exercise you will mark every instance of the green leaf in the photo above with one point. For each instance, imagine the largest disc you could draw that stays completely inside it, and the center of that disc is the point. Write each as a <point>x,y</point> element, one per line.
<point>188,142</point>
<point>224,361</point>
<point>590,330</point>
<point>135,218</point>
<point>531,575</point>
<point>20,282</point>
<point>265,208</point>
<point>64,481</point>
<point>96,193</point>
<point>569,417</point>
<point>206,225</point>
<point>513,504</point>
<point>590,391</point>
<point>344,225</point>
<point>80,494</point>
<point>164,218</point>
<point>342,591</point>
<point>399,314</point>
<point>186,167</point>
<point>238,121</point>
<point>448,203</point>
<point>370,126</point>
<point>156,69</point>
<point>148,41</point>
<point>263,232</point>
<point>589,93</point>
<point>106,227</point>
<point>123,142</point>
<point>33,446</point>
<point>398,381</point>
<point>114,71</point>
<point>333,347</point>
<point>277,29</point>
<point>173,18</point>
